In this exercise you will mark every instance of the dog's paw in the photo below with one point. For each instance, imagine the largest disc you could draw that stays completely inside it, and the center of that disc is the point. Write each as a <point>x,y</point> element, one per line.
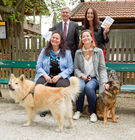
<point>70,127</point>
<point>115,121</point>
<point>105,122</point>
<point>110,117</point>
<point>117,116</point>
<point>59,130</point>
<point>27,124</point>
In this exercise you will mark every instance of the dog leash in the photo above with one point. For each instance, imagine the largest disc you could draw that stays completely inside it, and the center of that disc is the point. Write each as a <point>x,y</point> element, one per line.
<point>32,91</point>
<point>47,82</point>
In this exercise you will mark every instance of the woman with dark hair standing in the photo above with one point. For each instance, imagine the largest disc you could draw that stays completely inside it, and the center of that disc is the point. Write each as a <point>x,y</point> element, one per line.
<point>54,64</point>
<point>99,34</point>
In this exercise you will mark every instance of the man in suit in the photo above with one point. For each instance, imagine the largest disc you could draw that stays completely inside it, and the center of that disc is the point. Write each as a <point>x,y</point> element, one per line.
<point>69,29</point>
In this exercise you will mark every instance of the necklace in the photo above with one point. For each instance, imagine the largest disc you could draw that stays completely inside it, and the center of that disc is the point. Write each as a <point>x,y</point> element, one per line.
<point>87,50</point>
<point>87,53</point>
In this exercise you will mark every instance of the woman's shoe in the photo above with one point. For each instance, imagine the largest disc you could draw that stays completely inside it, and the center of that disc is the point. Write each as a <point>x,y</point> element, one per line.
<point>93,117</point>
<point>43,114</point>
<point>77,115</point>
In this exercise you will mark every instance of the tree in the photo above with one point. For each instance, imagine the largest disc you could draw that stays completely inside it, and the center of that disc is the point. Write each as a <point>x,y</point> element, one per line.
<point>14,11</point>
<point>55,7</point>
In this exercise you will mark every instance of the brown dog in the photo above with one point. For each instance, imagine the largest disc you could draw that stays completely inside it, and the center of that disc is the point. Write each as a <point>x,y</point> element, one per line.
<point>107,100</point>
<point>56,99</point>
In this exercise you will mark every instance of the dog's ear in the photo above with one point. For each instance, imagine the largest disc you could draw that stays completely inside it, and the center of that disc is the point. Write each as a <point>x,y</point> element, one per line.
<point>12,76</point>
<point>22,77</point>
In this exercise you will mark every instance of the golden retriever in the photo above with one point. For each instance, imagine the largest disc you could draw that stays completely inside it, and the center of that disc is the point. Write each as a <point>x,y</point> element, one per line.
<point>58,100</point>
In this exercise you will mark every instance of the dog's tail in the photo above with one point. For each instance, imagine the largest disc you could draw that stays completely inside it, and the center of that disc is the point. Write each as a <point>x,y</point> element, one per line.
<point>74,89</point>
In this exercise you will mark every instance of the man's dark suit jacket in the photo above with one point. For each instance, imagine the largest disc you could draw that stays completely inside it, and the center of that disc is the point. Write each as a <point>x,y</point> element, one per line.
<point>72,38</point>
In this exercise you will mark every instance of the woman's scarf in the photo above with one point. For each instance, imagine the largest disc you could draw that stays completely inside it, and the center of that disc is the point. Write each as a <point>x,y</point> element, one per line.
<point>86,53</point>
<point>55,56</point>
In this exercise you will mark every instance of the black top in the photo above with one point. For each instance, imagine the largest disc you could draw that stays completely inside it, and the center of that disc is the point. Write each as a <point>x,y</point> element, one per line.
<point>54,69</point>
<point>99,37</point>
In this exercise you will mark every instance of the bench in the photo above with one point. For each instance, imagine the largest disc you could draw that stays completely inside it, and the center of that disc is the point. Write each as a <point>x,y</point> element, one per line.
<point>123,67</point>
<point>15,64</point>
<point>119,67</point>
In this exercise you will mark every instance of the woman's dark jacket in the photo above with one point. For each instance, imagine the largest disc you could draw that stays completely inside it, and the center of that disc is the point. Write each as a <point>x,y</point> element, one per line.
<point>99,37</point>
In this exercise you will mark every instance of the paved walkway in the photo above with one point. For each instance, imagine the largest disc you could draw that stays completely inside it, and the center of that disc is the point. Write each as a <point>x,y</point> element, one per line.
<point>12,116</point>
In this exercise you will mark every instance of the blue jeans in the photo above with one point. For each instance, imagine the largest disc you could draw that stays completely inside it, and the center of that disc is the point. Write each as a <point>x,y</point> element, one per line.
<point>89,89</point>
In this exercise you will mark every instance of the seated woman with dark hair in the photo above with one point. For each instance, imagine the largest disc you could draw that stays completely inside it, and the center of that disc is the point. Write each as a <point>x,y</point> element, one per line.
<point>54,64</point>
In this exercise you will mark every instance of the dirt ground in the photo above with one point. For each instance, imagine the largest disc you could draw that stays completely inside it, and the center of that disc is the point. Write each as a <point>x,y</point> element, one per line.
<point>12,116</point>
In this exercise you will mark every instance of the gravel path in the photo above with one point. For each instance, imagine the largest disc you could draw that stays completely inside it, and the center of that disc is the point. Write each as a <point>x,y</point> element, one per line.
<point>12,116</point>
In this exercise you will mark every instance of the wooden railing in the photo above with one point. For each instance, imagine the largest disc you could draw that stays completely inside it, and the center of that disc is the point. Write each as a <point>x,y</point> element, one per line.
<point>16,51</point>
<point>121,47</point>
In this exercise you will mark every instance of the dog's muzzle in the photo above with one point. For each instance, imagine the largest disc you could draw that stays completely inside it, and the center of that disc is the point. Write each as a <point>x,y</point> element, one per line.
<point>10,87</point>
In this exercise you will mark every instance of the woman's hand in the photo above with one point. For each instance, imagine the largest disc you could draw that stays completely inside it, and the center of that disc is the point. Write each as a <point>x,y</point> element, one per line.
<point>48,78</point>
<point>106,86</point>
<point>84,77</point>
<point>106,30</point>
<point>56,78</point>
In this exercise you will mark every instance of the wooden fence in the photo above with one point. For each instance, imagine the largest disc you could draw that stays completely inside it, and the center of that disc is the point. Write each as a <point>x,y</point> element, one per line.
<point>121,48</point>
<point>16,51</point>
<point>29,52</point>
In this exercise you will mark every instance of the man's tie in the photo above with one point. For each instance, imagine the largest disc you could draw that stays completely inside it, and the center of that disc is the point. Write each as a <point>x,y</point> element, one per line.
<point>65,30</point>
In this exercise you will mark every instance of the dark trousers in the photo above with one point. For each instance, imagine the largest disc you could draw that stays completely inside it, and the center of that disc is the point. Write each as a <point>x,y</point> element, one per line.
<point>60,83</point>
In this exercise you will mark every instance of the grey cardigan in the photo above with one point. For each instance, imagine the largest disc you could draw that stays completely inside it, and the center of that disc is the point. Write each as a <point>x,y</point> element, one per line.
<point>98,65</point>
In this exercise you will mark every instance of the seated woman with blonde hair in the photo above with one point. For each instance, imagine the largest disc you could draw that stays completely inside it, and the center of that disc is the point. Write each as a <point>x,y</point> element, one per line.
<point>89,66</point>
